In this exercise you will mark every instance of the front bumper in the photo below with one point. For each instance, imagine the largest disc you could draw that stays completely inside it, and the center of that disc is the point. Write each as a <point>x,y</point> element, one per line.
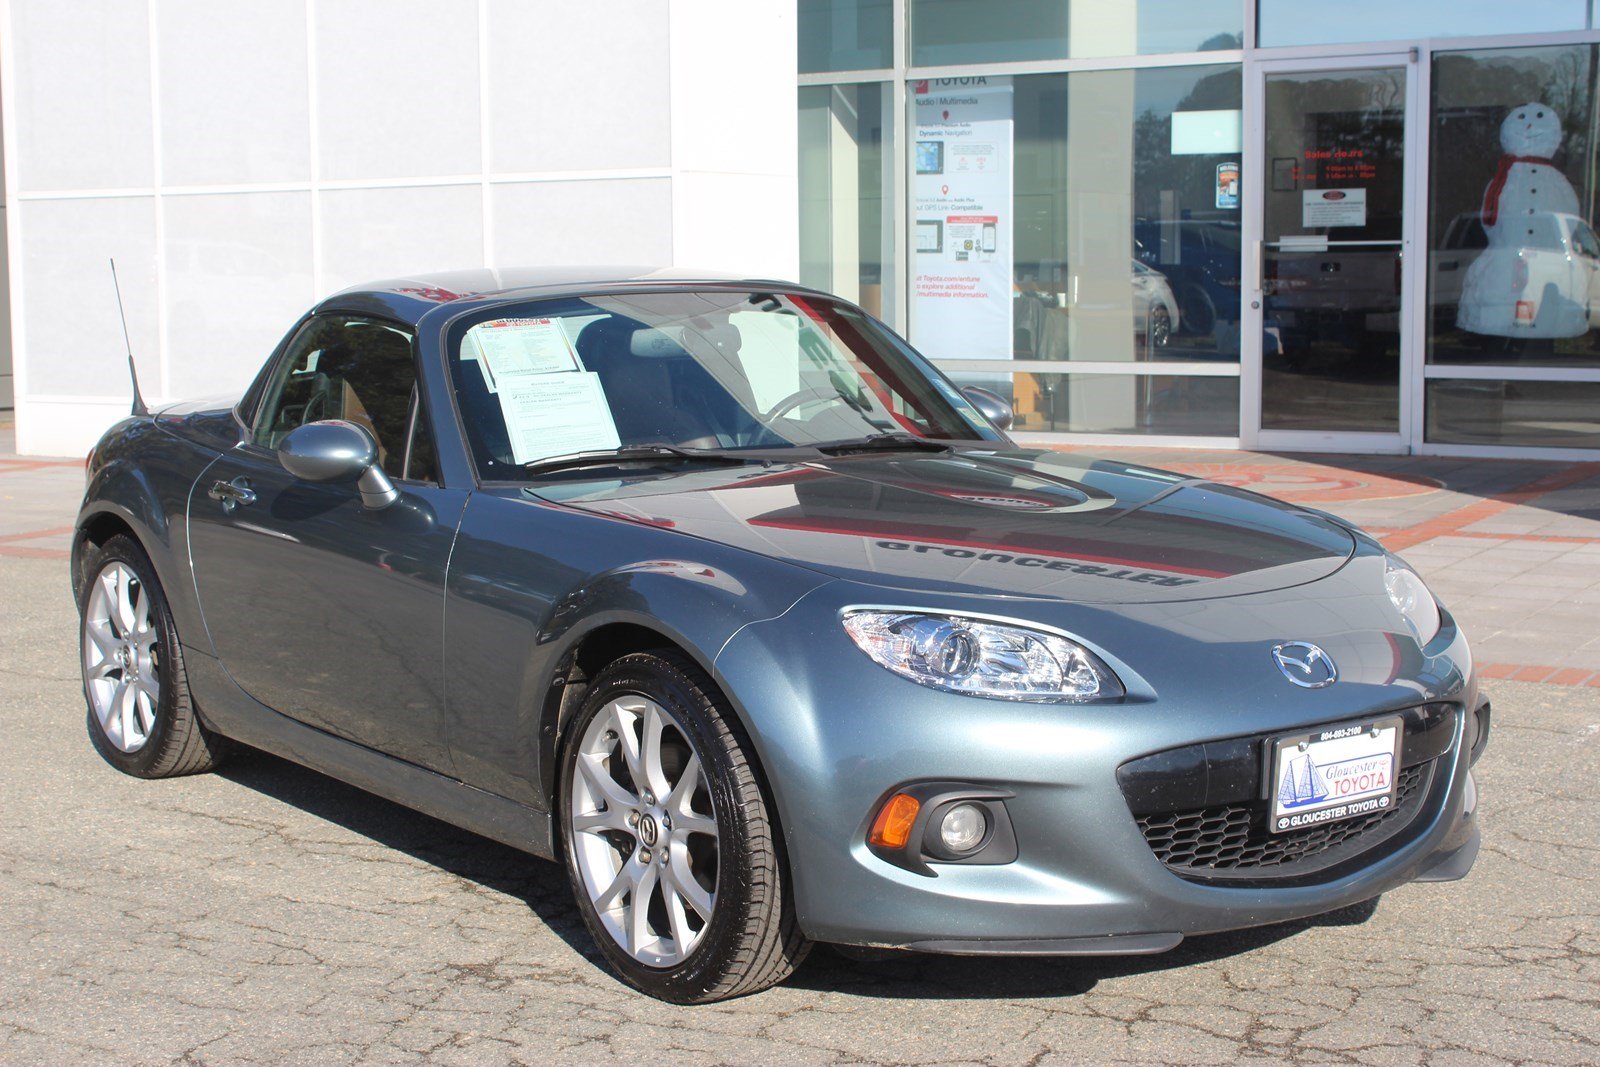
<point>836,733</point>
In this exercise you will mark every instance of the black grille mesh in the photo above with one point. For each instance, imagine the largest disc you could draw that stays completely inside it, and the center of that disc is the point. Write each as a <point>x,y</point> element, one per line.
<point>1234,837</point>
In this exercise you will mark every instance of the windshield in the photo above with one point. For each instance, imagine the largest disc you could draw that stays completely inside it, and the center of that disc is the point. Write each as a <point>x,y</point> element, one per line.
<point>707,370</point>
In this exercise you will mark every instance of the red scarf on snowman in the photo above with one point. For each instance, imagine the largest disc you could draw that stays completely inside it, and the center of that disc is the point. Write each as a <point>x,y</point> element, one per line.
<point>1491,195</point>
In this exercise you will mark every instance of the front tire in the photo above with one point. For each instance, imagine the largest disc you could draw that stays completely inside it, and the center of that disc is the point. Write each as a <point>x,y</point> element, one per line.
<point>140,715</point>
<point>673,857</point>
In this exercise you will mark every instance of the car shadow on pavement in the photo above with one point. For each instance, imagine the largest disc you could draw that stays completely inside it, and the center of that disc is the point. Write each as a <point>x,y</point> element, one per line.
<point>542,885</point>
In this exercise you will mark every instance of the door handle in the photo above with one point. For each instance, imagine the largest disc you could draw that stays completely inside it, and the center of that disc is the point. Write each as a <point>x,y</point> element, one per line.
<point>232,494</point>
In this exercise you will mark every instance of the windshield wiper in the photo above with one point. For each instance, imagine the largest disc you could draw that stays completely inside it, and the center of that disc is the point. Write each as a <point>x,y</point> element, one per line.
<point>893,441</point>
<point>631,454</point>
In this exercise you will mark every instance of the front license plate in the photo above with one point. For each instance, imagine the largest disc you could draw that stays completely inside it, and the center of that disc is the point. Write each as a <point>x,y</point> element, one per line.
<point>1336,773</point>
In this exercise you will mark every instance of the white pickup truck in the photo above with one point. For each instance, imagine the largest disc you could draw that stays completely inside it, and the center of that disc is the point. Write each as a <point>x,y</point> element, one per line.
<point>1555,281</point>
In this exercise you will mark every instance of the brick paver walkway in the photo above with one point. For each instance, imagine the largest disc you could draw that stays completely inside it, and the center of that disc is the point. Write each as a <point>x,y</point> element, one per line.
<point>1512,547</point>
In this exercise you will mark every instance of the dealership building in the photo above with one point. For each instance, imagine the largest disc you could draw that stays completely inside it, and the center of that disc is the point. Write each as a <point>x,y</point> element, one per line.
<point>1354,227</point>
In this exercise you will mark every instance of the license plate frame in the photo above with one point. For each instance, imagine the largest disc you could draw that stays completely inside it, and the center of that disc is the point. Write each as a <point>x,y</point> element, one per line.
<point>1334,773</point>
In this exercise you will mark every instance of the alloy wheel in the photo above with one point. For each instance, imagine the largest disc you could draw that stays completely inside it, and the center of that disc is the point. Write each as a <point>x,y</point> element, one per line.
<point>1160,328</point>
<point>122,657</point>
<point>643,840</point>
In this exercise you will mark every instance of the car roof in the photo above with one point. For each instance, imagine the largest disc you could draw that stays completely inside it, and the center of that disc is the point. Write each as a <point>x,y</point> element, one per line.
<point>412,297</point>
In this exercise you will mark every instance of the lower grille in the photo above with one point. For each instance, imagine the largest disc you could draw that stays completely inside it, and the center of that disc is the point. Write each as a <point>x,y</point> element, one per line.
<point>1227,841</point>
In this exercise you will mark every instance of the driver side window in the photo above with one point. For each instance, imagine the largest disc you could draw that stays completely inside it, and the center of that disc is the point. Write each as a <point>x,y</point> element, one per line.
<point>361,371</point>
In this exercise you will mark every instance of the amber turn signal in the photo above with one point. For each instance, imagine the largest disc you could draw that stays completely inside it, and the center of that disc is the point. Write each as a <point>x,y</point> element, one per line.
<point>892,827</point>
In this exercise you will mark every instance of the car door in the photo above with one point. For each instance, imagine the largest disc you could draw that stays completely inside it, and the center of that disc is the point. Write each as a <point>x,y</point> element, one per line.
<point>319,608</point>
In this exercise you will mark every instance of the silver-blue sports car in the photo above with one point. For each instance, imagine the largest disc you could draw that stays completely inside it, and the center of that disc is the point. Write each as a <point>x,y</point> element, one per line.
<point>721,594</point>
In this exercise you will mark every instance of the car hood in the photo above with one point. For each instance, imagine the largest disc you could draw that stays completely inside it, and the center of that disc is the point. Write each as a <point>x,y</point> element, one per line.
<point>1018,523</point>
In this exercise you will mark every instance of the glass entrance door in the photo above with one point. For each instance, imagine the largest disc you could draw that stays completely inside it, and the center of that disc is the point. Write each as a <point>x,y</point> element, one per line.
<point>1331,304</point>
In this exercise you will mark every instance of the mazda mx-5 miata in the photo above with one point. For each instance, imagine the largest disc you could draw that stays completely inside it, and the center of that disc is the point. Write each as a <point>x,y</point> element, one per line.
<point>721,594</point>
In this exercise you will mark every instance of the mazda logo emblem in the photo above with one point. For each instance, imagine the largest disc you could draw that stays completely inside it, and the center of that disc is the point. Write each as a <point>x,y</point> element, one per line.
<point>1305,664</point>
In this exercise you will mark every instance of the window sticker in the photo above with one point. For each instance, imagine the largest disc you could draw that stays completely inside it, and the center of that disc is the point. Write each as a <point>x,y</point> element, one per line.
<point>556,414</point>
<point>510,348</point>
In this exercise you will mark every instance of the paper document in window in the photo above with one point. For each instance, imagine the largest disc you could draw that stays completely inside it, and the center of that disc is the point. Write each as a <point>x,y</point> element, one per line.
<point>556,414</point>
<point>508,348</point>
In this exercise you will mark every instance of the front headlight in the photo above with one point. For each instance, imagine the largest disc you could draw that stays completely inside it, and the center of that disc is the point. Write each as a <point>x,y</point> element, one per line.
<point>987,659</point>
<point>1410,595</point>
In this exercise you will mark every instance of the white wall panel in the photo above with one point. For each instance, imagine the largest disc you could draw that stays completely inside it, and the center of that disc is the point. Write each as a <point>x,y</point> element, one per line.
<point>397,87</point>
<point>369,234</point>
<point>72,334</point>
<point>380,137</point>
<point>736,223</point>
<point>233,92</point>
<point>82,84</point>
<point>578,86</point>
<point>627,221</point>
<point>735,136</point>
<point>238,274</point>
<point>735,100</point>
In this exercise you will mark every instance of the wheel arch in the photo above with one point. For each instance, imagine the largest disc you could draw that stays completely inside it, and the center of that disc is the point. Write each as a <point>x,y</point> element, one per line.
<point>96,529</point>
<point>98,524</point>
<point>589,652</point>
<point>124,496</point>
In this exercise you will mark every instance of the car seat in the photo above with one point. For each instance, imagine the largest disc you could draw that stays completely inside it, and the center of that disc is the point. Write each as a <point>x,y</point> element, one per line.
<point>640,388</point>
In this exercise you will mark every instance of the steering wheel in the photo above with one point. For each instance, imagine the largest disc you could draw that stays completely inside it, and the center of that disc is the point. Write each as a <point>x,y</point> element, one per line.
<point>794,400</point>
<point>316,407</point>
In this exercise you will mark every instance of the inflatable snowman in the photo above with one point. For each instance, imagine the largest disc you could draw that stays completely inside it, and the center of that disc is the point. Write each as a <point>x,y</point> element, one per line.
<point>1524,283</point>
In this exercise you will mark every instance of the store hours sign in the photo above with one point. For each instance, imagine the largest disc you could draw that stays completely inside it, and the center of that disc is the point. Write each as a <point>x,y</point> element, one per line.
<point>961,193</point>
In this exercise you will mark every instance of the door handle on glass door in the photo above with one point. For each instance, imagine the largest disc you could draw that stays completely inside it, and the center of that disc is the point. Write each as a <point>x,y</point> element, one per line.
<point>232,494</point>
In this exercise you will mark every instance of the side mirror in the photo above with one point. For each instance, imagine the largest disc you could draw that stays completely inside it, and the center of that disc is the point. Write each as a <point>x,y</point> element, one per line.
<point>994,409</point>
<point>338,451</point>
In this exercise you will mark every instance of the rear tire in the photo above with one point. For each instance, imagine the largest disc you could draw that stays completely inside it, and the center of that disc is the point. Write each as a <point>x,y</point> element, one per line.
<point>141,718</point>
<point>705,860</point>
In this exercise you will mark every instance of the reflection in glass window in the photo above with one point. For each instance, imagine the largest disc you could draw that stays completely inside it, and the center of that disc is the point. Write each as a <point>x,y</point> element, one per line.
<point>1331,316</point>
<point>1533,414</point>
<point>1083,217</point>
<point>1124,248</point>
<point>998,31</point>
<point>1197,406</point>
<point>1287,22</point>
<point>846,243</point>
<point>1513,264</point>
<point>845,35</point>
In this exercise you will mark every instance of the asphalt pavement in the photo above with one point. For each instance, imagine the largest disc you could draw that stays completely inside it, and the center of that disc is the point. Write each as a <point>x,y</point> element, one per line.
<point>267,914</point>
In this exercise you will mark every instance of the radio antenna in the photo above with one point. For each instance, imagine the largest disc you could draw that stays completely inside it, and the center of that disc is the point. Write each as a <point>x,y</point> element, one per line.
<point>139,407</point>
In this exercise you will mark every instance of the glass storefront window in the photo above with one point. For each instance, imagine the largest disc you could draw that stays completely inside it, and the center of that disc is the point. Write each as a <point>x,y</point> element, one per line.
<point>1091,216</point>
<point>1288,22</point>
<point>1513,261</point>
<point>1185,405</point>
<point>845,35</point>
<point>1533,414</point>
<point>1000,31</point>
<point>846,240</point>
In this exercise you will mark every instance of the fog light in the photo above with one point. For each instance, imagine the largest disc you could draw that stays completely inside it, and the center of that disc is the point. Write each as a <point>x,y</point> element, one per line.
<point>963,828</point>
